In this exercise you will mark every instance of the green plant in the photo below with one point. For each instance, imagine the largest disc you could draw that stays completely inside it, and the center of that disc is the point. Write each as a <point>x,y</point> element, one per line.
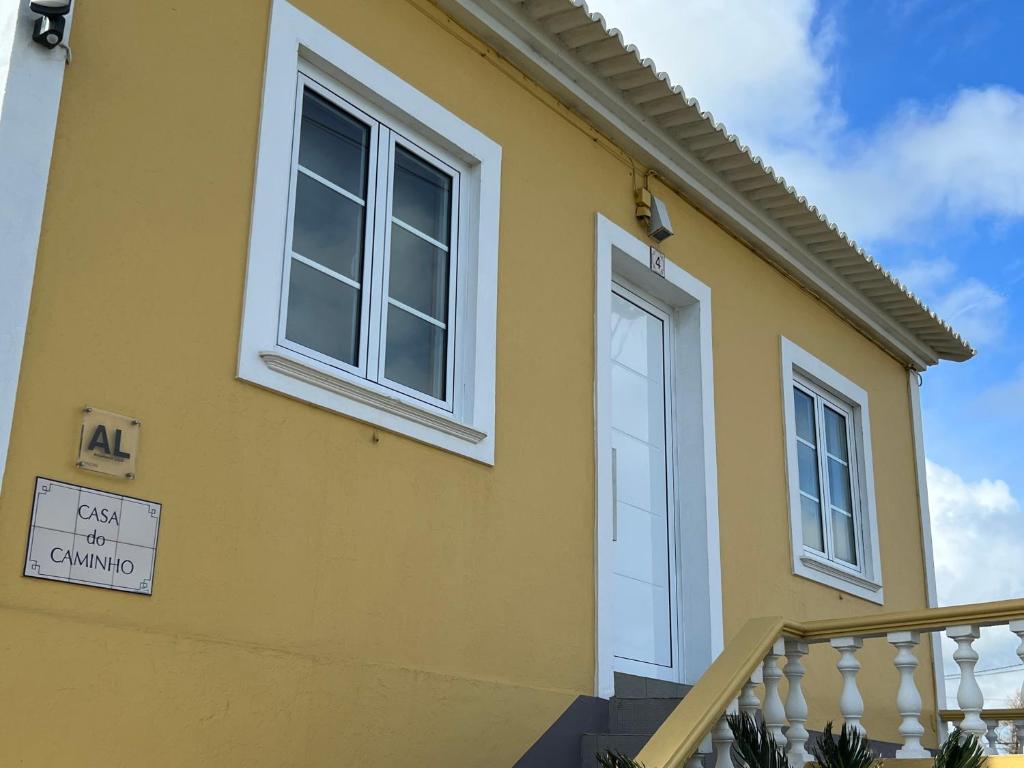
<point>850,751</point>
<point>617,760</point>
<point>960,750</point>
<point>753,745</point>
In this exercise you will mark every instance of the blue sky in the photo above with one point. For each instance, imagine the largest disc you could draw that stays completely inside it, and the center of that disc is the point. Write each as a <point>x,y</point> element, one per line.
<point>904,121</point>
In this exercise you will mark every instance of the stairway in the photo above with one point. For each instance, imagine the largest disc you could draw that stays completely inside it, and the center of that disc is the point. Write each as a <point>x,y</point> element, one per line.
<point>640,705</point>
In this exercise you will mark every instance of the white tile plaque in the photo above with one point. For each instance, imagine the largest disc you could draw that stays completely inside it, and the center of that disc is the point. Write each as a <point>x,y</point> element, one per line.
<point>86,536</point>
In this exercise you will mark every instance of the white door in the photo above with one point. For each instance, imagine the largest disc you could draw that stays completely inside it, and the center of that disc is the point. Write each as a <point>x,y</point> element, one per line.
<point>644,585</point>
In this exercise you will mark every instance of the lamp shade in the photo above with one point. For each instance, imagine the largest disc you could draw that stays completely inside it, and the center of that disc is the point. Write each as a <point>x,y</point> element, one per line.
<point>50,7</point>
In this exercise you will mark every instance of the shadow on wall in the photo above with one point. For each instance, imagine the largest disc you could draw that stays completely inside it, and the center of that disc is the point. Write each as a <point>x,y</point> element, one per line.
<point>559,747</point>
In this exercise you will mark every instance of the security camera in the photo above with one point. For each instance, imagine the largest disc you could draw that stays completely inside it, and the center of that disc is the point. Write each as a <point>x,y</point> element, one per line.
<point>49,27</point>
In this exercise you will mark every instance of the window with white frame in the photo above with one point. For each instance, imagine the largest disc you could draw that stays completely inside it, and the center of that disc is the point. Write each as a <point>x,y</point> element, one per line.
<point>828,500</point>
<point>376,301</point>
<point>832,511</point>
<point>372,275</point>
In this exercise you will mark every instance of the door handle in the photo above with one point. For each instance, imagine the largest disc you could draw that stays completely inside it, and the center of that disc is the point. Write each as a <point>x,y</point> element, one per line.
<point>615,494</point>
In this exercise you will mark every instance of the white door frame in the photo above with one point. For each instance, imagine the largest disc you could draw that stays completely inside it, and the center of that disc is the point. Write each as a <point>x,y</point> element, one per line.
<point>699,630</point>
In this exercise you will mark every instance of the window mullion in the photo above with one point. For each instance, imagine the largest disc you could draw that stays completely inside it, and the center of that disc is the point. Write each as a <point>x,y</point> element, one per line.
<point>826,495</point>
<point>381,232</point>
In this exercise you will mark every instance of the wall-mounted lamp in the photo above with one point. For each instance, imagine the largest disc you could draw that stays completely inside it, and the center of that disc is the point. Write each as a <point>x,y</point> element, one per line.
<point>49,27</point>
<point>660,227</point>
<point>653,213</point>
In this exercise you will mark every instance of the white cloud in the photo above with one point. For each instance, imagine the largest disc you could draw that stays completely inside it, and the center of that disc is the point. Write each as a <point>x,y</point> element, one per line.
<point>959,504</point>
<point>926,275</point>
<point>976,537</point>
<point>745,60</point>
<point>1007,397</point>
<point>975,309</point>
<point>956,163</point>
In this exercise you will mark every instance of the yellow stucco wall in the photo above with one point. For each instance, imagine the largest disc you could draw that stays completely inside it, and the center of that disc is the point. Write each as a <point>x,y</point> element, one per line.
<point>321,598</point>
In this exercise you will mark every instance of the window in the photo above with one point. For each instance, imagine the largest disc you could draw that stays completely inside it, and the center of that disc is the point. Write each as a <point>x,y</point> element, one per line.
<point>349,170</point>
<point>372,274</point>
<point>827,499</point>
<point>831,486</point>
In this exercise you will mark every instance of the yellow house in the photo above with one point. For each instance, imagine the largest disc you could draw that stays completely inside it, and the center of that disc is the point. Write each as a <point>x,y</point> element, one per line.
<point>431,383</point>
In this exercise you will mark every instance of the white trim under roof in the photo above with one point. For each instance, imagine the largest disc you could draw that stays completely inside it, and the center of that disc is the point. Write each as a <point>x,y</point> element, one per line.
<point>572,52</point>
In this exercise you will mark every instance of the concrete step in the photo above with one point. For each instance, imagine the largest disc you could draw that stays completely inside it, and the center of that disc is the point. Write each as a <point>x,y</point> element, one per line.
<point>638,715</point>
<point>638,708</point>
<point>629,744</point>
<point>633,687</point>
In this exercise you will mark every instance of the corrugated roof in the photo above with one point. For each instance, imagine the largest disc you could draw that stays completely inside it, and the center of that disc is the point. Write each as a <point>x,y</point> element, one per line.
<point>586,36</point>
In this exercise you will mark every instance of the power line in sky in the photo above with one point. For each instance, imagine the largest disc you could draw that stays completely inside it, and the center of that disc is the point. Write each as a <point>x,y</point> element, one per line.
<point>992,671</point>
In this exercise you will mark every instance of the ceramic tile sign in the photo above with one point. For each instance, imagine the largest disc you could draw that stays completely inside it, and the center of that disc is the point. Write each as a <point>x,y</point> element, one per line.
<point>86,536</point>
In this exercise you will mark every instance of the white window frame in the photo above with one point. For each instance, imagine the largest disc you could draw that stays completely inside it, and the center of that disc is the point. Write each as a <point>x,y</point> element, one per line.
<point>302,53</point>
<point>828,387</point>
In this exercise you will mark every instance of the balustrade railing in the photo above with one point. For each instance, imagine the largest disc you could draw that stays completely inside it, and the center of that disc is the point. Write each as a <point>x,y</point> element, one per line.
<point>768,649</point>
<point>1010,721</point>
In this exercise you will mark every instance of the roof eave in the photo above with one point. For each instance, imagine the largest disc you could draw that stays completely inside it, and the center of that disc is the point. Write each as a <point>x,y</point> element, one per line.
<point>919,341</point>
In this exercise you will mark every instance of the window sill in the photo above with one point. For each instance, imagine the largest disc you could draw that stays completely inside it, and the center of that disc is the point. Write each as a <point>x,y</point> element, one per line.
<point>839,578</point>
<point>303,380</point>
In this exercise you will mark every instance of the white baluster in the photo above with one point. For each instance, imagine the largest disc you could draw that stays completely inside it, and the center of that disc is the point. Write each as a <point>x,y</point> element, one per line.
<point>993,738</point>
<point>773,711</point>
<point>796,704</point>
<point>722,738</point>
<point>908,699</point>
<point>968,695</point>
<point>1017,627</point>
<point>748,701</point>
<point>851,703</point>
<point>697,758</point>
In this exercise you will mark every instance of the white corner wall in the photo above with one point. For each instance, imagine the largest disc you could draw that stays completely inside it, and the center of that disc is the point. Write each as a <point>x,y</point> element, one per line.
<point>31,77</point>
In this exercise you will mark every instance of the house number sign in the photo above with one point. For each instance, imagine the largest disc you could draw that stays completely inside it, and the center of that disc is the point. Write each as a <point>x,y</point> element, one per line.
<point>86,536</point>
<point>657,262</point>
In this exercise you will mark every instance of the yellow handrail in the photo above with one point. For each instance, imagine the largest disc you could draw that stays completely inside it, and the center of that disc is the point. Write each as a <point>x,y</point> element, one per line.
<point>680,735</point>
<point>980,614</point>
<point>952,715</point>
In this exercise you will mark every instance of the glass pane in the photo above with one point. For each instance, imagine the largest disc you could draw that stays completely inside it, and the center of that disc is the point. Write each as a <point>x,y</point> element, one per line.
<point>328,228</point>
<point>333,145</point>
<point>839,485</point>
<point>844,539</point>
<point>638,373</point>
<point>835,433</point>
<point>423,196</point>
<point>811,512</point>
<point>323,314</point>
<point>804,415</point>
<point>415,355</point>
<point>808,463</point>
<point>637,338</point>
<point>418,275</point>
